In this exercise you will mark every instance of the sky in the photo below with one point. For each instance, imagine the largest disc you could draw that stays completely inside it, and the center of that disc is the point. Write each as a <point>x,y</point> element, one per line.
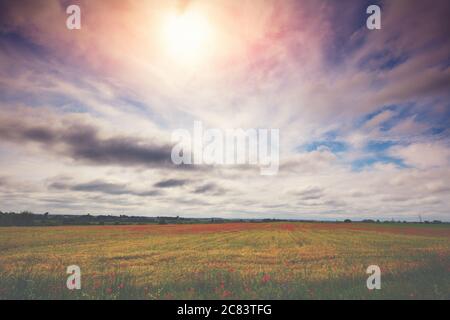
<point>86,116</point>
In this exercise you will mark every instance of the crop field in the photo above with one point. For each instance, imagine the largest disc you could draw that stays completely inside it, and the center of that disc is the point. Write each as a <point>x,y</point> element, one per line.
<point>227,261</point>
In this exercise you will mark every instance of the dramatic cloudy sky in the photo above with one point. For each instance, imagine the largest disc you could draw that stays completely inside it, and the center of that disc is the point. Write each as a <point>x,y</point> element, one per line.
<point>86,116</point>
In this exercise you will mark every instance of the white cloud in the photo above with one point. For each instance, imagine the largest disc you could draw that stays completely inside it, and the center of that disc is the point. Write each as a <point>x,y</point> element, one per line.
<point>423,155</point>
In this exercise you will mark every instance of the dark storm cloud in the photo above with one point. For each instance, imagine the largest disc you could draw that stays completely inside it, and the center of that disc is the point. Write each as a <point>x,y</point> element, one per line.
<point>86,145</point>
<point>82,142</point>
<point>102,187</point>
<point>39,135</point>
<point>16,131</point>
<point>170,183</point>
<point>210,188</point>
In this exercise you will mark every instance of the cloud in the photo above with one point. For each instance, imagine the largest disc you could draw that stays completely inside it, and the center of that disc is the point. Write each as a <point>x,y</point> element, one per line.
<point>171,183</point>
<point>82,142</point>
<point>100,186</point>
<point>312,193</point>
<point>118,150</point>
<point>437,187</point>
<point>308,162</point>
<point>409,127</point>
<point>423,155</point>
<point>210,188</point>
<point>379,119</point>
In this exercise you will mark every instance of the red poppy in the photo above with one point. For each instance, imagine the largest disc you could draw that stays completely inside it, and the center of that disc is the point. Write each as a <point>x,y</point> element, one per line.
<point>226,294</point>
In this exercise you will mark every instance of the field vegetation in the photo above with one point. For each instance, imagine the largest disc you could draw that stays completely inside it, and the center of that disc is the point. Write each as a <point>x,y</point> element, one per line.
<point>226,261</point>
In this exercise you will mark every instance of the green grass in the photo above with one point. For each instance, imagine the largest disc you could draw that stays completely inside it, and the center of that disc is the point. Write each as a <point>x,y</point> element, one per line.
<point>236,261</point>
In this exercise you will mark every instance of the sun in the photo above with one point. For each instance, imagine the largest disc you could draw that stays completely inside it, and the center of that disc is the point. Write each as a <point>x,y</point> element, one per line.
<point>187,36</point>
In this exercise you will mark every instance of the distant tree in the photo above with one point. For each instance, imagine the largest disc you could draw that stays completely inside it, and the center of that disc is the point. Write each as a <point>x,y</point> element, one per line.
<point>162,221</point>
<point>347,220</point>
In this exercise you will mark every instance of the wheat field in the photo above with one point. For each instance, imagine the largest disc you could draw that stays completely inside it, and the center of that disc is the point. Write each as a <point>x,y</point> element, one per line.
<point>226,261</point>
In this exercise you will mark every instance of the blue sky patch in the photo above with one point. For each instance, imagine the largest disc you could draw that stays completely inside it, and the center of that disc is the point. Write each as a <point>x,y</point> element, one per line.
<point>334,146</point>
<point>370,161</point>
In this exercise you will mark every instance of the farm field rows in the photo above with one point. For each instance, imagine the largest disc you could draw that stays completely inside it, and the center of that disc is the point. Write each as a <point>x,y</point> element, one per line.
<point>227,261</point>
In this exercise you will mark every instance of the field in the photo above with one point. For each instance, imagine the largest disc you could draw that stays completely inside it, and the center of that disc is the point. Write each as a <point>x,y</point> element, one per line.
<point>227,261</point>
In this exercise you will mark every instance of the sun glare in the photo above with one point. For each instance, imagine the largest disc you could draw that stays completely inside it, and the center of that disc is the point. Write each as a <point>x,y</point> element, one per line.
<point>187,36</point>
